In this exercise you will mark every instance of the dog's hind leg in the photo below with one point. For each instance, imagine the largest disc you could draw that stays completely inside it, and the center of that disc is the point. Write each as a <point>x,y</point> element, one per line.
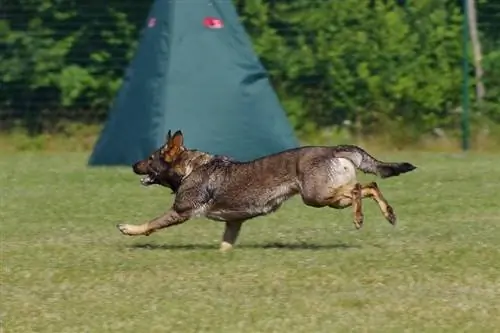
<point>349,195</point>
<point>371,190</point>
<point>357,206</point>
<point>346,196</point>
<point>231,233</point>
<point>168,219</point>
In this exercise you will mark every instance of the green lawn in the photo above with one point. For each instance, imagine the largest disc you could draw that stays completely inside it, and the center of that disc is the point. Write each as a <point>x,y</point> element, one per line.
<point>66,268</point>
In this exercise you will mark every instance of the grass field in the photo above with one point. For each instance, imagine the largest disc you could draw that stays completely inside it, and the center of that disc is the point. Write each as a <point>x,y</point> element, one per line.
<point>65,268</point>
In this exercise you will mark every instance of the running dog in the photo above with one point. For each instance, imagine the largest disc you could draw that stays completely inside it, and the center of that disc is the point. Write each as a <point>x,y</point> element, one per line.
<point>222,189</point>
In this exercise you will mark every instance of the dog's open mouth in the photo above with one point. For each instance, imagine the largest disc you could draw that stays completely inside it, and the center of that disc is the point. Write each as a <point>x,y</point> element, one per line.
<point>147,180</point>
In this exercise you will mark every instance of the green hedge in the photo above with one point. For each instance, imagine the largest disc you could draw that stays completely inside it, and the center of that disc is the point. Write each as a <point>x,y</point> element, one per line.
<point>367,63</point>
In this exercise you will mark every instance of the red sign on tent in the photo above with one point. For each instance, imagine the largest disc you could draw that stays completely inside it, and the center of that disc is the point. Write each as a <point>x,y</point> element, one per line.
<point>213,23</point>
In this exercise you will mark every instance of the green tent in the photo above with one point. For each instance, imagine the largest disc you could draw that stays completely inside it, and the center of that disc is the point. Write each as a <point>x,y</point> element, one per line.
<point>194,70</point>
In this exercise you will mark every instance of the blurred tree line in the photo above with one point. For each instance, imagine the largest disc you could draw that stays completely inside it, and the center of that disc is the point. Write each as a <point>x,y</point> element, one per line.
<point>366,63</point>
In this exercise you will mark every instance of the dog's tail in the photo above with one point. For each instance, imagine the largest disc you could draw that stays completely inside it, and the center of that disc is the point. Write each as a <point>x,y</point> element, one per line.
<point>369,164</point>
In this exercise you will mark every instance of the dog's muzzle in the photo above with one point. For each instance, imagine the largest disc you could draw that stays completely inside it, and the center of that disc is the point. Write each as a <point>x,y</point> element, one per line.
<point>150,178</point>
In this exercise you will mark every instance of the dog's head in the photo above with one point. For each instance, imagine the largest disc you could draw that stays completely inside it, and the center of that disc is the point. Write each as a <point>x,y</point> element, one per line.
<point>158,168</point>
<point>181,161</point>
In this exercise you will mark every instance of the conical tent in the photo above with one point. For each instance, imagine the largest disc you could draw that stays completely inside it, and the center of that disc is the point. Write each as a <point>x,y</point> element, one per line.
<point>194,70</point>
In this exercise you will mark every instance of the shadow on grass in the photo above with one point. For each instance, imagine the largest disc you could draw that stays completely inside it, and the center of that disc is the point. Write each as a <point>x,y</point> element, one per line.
<point>275,245</point>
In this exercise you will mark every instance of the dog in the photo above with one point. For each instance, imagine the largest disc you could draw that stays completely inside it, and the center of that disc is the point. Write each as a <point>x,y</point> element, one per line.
<point>222,189</point>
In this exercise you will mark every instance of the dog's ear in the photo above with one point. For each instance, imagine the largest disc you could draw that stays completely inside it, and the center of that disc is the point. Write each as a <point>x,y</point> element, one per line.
<point>175,147</point>
<point>168,141</point>
<point>178,139</point>
<point>168,137</point>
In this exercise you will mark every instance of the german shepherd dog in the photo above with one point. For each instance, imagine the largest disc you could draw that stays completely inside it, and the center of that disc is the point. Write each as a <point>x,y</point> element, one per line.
<point>222,189</point>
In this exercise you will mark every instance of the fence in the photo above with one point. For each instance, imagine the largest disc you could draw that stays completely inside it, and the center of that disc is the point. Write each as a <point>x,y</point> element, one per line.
<point>373,66</point>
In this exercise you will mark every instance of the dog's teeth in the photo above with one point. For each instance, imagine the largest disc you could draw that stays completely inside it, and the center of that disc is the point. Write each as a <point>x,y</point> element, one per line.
<point>146,180</point>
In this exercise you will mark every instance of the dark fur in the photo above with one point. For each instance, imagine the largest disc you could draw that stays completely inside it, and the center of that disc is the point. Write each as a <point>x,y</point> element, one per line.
<point>231,191</point>
<point>157,172</point>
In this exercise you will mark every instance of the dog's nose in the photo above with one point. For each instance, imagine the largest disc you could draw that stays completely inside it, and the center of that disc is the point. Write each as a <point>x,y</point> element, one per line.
<point>139,168</point>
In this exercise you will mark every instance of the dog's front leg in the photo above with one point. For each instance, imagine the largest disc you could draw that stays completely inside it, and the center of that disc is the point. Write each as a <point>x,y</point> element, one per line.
<point>168,219</point>
<point>231,232</point>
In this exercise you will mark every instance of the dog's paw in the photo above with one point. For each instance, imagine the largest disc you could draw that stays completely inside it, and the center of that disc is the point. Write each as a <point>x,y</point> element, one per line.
<point>391,216</point>
<point>123,228</point>
<point>225,247</point>
<point>358,221</point>
<point>128,229</point>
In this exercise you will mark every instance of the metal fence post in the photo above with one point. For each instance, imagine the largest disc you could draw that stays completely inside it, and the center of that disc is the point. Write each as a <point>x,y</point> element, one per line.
<point>465,79</point>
